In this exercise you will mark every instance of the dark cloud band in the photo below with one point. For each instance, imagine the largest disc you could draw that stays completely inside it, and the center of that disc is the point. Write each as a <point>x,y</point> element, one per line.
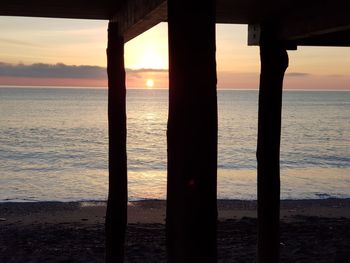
<point>297,74</point>
<point>60,70</point>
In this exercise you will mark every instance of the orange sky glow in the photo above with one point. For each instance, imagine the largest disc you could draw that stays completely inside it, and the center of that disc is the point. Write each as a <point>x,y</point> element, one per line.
<point>48,52</point>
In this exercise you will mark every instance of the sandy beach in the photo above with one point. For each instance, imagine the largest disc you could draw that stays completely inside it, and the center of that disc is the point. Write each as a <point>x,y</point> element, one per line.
<point>311,231</point>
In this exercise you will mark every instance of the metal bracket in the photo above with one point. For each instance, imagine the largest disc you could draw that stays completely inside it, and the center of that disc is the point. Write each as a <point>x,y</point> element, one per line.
<point>253,34</point>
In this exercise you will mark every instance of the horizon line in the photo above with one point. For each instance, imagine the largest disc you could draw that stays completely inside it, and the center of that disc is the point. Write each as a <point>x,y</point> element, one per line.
<point>141,88</point>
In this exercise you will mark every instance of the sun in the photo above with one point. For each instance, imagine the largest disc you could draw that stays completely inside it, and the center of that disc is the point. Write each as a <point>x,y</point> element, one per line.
<point>149,83</point>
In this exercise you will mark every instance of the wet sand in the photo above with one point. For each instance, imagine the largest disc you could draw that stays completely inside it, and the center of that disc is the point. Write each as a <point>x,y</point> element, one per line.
<point>311,231</point>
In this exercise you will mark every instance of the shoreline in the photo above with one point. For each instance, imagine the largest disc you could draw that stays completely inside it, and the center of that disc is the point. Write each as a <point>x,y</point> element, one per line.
<point>153,210</point>
<point>296,184</point>
<point>312,231</point>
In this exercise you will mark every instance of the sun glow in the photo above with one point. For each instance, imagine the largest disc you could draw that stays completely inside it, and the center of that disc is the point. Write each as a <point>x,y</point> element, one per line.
<point>149,50</point>
<point>150,83</point>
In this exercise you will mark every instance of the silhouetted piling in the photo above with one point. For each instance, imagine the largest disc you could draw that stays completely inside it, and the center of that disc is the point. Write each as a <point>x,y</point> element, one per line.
<point>192,133</point>
<point>274,62</point>
<point>116,216</point>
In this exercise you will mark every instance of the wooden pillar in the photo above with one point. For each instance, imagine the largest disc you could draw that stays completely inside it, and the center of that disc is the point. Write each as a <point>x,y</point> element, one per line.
<point>191,215</point>
<point>274,62</point>
<point>116,216</point>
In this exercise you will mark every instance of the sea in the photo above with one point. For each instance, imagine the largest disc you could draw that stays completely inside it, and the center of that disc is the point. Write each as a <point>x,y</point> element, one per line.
<point>54,144</point>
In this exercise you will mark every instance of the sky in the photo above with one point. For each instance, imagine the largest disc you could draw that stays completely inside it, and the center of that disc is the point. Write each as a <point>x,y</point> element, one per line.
<point>67,52</point>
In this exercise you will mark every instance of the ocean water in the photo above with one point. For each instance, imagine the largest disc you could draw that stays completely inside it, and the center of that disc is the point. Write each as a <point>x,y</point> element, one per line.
<point>53,144</point>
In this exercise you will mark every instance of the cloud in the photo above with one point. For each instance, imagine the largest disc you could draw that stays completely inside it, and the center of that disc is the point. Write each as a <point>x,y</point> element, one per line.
<point>17,42</point>
<point>60,70</point>
<point>337,76</point>
<point>145,73</point>
<point>146,70</point>
<point>297,74</point>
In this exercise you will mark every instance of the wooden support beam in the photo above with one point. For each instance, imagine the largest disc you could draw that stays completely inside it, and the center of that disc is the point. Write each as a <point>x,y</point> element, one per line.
<point>274,62</point>
<point>335,39</point>
<point>314,19</point>
<point>116,216</point>
<point>320,23</point>
<point>137,16</point>
<point>191,215</point>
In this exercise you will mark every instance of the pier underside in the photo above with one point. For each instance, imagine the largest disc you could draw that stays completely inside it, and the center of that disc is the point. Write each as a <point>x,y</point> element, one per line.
<point>313,22</point>
<point>192,123</point>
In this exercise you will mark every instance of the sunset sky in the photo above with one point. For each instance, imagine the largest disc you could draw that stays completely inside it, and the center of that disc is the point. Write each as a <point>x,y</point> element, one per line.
<point>63,52</point>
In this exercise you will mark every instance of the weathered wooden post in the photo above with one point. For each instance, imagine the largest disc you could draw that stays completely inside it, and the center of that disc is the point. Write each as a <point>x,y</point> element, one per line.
<point>191,215</point>
<point>116,216</point>
<point>274,62</point>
